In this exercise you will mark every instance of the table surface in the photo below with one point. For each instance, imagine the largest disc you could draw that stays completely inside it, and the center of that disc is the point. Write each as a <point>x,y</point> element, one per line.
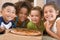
<point>48,38</point>
<point>10,36</point>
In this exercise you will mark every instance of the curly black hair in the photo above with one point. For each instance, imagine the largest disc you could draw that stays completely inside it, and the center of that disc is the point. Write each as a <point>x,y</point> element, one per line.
<point>25,4</point>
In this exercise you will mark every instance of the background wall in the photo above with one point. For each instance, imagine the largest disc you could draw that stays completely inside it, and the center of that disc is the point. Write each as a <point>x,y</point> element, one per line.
<point>3,1</point>
<point>37,3</point>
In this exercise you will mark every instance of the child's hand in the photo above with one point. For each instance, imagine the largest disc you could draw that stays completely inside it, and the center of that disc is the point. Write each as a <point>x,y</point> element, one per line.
<point>47,25</point>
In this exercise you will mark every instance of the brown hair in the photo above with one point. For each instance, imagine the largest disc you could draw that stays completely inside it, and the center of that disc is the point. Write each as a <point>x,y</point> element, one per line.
<point>53,5</point>
<point>38,8</point>
<point>24,4</point>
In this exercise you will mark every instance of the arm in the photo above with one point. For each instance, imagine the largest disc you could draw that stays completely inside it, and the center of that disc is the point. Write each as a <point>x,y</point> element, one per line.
<point>2,28</point>
<point>52,34</point>
<point>58,27</point>
<point>30,25</point>
<point>48,26</point>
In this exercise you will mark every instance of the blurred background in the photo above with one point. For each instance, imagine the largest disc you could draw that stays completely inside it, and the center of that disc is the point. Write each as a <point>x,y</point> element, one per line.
<point>33,2</point>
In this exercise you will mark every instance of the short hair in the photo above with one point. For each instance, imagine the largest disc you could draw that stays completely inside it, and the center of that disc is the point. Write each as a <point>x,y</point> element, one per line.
<point>39,9</point>
<point>8,4</point>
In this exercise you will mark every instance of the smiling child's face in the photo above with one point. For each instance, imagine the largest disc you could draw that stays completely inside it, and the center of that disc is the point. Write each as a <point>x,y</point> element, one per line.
<point>35,16</point>
<point>50,13</point>
<point>8,13</point>
<point>22,14</point>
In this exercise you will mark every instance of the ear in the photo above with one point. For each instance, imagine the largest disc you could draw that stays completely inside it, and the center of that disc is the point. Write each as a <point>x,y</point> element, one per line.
<point>57,12</point>
<point>1,12</point>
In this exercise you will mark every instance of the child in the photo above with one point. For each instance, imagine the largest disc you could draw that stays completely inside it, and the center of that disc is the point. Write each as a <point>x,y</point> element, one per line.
<point>8,14</point>
<point>52,23</point>
<point>36,22</point>
<point>23,8</point>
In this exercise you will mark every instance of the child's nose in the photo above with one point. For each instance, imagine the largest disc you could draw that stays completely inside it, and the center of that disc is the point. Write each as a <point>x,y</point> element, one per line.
<point>48,13</point>
<point>23,15</point>
<point>34,17</point>
<point>15,15</point>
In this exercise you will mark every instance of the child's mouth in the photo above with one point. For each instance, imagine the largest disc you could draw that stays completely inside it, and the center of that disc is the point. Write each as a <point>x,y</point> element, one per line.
<point>10,18</point>
<point>49,17</point>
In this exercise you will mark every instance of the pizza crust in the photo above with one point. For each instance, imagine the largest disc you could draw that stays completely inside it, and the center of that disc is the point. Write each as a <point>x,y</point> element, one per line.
<point>25,32</point>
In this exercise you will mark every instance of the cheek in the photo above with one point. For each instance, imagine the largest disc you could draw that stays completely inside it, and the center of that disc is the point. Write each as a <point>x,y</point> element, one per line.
<point>32,18</point>
<point>25,15</point>
<point>13,15</point>
<point>37,19</point>
<point>5,14</point>
<point>19,15</point>
<point>45,15</point>
<point>54,15</point>
<point>22,15</point>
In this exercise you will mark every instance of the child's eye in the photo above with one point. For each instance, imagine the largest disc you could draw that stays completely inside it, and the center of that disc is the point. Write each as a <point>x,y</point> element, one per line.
<point>20,13</point>
<point>45,12</point>
<point>31,15</point>
<point>8,11</point>
<point>50,11</point>
<point>37,15</point>
<point>13,12</point>
<point>25,13</point>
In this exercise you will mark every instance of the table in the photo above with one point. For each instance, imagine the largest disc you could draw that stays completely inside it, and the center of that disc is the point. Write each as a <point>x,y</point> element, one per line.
<point>48,38</point>
<point>10,36</point>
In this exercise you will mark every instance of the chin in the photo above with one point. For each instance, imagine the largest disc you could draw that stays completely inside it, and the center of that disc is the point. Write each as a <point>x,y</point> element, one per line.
<point>34,22</point>
<point>10,19</point>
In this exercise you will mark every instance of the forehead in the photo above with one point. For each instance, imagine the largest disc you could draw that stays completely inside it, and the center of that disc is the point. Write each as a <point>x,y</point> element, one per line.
<point>23,9</point>
<point>35,12</point>
<point>9,8</point>
<point>50,7</point>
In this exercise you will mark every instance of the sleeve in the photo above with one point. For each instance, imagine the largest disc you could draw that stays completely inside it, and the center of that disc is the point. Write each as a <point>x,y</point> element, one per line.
<point>42,26</point>
<point>30,25</point>
<point>13,26</point>
<point>0,20</point>
<point>14,22</point>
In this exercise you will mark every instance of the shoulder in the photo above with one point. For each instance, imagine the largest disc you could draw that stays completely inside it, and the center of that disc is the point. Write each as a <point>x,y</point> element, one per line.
<point>58,20</point>
<point>1,19</point>
<point>15,19</point>
<point>58,25</point>
<point>30,23</point>
<point>42,22</point>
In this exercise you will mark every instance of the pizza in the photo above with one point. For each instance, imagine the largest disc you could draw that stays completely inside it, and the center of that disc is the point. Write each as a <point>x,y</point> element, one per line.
<point>25,32</point>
